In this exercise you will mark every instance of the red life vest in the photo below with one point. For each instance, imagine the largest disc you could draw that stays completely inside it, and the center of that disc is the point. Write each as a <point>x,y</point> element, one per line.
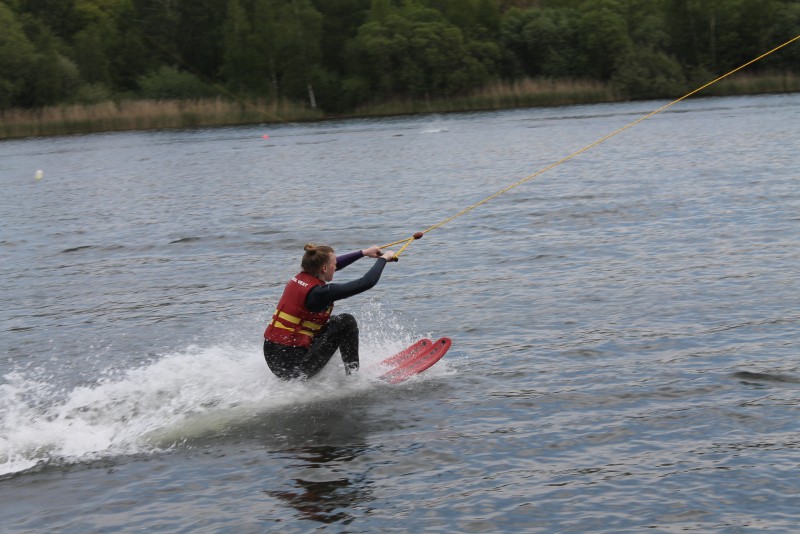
<point>293,324</point>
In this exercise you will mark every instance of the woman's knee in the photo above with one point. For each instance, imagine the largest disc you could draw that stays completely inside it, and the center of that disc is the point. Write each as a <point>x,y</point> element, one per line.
<point>345,321</point>
<point>349,320</point>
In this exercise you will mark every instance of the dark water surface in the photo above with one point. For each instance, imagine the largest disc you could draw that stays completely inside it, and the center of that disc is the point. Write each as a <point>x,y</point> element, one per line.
<point>625,326</point>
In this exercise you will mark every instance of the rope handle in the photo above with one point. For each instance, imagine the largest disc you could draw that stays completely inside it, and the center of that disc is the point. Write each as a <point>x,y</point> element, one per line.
<point>407,241</point>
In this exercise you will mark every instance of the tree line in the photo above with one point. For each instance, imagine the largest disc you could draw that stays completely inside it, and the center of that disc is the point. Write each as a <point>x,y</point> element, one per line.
<point>336,54</point>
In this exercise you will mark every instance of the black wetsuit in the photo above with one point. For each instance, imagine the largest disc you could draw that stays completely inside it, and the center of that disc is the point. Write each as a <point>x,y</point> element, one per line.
<point>341,331</point>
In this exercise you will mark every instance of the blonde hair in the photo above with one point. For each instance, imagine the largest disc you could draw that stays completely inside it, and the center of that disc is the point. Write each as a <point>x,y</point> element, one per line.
<point>315,258</point>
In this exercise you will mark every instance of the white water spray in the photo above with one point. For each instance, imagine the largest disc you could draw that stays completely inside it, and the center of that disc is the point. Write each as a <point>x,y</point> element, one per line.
<point>164,403</point>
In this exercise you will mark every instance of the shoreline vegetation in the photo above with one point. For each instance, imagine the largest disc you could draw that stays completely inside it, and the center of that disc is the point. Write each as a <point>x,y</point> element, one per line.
<point>127,115</point>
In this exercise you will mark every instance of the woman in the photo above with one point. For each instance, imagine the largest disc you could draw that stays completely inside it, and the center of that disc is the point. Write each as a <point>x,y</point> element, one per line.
<point>303,335</point>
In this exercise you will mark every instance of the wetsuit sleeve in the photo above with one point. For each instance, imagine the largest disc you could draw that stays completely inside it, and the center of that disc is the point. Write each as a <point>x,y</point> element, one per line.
<point>346,259</point>
<point>320,297</point>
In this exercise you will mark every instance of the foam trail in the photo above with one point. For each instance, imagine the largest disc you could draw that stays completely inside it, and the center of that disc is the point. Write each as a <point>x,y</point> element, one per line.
<point>181,395</point>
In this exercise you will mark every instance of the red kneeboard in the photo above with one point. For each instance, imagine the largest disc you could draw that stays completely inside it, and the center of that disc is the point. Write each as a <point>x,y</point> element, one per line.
<point>414,359</point>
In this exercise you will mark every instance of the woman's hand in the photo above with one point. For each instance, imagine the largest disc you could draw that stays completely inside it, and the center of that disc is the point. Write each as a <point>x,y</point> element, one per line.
<point>372,252</point>
<point>376,252</point>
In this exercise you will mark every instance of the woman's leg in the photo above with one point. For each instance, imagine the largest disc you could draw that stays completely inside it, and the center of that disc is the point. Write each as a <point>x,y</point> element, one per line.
<point>284,361</point>
<point>341,333</point>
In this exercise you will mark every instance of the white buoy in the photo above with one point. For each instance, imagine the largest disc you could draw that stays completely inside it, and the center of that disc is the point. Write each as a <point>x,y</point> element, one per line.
<point>39,174</point>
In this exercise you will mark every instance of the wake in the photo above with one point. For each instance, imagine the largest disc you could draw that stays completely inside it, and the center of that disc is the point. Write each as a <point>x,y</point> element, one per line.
<point>164,403</point>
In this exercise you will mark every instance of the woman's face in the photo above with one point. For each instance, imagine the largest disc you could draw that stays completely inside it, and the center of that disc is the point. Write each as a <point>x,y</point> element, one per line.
<point>329,268</point>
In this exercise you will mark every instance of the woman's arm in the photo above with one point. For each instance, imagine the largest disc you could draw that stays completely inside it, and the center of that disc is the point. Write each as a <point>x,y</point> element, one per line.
<point>346,259</point>
<point>320,297</point>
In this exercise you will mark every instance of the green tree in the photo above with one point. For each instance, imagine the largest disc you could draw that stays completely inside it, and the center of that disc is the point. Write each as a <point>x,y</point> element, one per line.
<point>476,18</point>
<point>643,73</point>
<point>339,53</point>
<point>129,51</point>
<point>545,42</point>
<point>604,34</point>
<point>758,26</point>
<point>703,34</point>
<point>17,58</point>
<point>412,51</point>
<point>170,83</point>
<point>239,58</point>
<point>647,24</point>
<point>52,76</point>
<point>157,22</point>
<point>272,47</point>
<point>299,53</point>
<point>90,44</point>
<point>198,37</point>
<point>57,78</point>
<point>340,22</point>
<point>59,16</point>
<point>787,26</point>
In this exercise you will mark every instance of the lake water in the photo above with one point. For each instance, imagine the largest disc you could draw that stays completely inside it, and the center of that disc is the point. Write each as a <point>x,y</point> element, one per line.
<point>626,326</point>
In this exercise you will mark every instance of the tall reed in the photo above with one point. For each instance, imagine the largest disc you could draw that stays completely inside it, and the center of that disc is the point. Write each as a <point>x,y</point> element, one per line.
<point>156,114</point>
<point>748,84</point>
<point>500,95</point>
<point>145,115</point>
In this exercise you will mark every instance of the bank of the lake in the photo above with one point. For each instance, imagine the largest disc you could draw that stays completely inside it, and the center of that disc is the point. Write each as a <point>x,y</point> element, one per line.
<point>126,115</point>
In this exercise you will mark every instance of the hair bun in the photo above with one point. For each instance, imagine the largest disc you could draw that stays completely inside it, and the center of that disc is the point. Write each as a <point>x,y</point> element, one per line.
<point>315,258</point>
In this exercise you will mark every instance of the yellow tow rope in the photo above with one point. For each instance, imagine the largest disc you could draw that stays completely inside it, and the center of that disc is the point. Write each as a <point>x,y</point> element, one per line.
<point>418,235</point>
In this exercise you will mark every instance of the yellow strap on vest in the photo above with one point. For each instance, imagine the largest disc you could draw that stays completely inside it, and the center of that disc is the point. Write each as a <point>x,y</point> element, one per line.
<point>308,333</point>
<point>295,320</point>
